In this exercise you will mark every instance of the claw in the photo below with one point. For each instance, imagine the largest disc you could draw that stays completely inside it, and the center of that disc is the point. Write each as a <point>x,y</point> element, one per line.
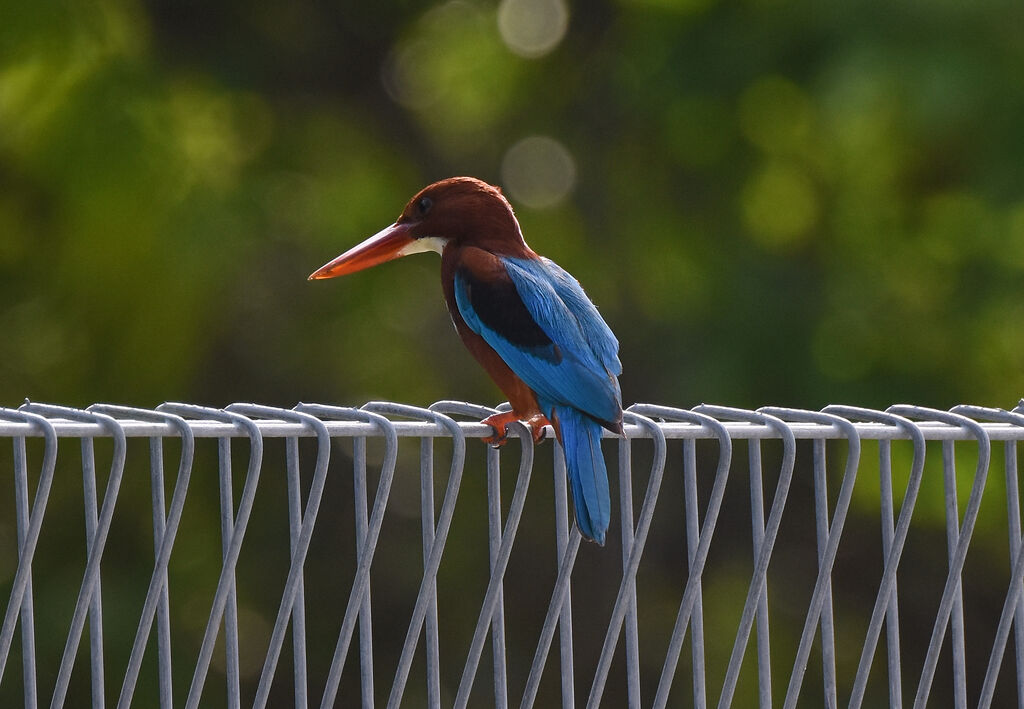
<point>499,422</point>
<point>537,422</point>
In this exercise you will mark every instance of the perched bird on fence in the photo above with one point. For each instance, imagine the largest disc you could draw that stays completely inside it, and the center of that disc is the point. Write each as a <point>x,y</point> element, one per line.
<point>526,320</point>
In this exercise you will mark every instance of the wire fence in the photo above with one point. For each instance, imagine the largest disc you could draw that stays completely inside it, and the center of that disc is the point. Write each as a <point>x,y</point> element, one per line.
<point>808,558</point>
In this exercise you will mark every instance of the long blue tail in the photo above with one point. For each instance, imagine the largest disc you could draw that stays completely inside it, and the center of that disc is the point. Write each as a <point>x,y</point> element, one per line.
<point>588,476</point>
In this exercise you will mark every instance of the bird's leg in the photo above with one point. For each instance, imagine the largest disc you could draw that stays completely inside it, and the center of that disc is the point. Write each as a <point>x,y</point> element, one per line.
<point>500,422</point>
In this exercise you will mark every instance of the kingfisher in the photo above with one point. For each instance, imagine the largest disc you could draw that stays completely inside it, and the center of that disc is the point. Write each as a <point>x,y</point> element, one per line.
<point>525,320</point>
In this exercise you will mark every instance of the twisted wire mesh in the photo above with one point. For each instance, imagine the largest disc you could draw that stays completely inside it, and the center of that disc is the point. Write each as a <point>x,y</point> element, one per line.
<point>775,523</point>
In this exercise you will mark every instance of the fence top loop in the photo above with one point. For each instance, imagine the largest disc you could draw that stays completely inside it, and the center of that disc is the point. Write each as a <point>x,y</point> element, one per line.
<point>194,411</point>
<point>347,413</point>
<point>462,408</point>
<point>124,412</point>
<point>820,417</point>
<point>308,420</point>
<point>35,420</point>
<point>951,419</point>
<point>416,412</point>
<point>108,422</point>
<point>882,417</point>
<point>714,426</point>
<point>773,422</point>
<point>1014,418</point>
<point>845,426</point>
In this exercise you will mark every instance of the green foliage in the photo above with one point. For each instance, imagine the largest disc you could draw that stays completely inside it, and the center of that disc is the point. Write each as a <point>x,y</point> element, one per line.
<point>779,202</point>
<point>792,203</point>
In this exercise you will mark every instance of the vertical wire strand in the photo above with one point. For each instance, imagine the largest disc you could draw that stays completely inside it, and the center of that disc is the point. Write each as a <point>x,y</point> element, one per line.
<point>886,592</point>
<point>692,540</point>
<point>626,514</point>
<point>299,605</point>
<point>293,587</point>
<point>640,413</point>
<point>451,496</point>
<point>28,632</point>
<point>1011,611</point>
<point>490,602</point>
<point>1014,530</point>
<point>821,521</point>
<point>158,582</point>
<point>819,595</point>
<point>227,528</point>
<point>431,641</point>
<point>952,540</point>
<point>163,622</point>
<point>226,581</point>
<point>568,674</point>
<point>759,578</point>
<point>361,581</point>
<point>90,578</point>
<point>365,612</point>
<point>96,605</point>
<point>762,628</point>
<point>892,617</point>
<point>552,618</point>
<point>366,618</point>
<point>949,591</point>
<point>490,605</point>
<point>1003,633</point>
<point>625,597</point>
<point>27,550</point>
<point>500,671</point>
<point>628,583</point>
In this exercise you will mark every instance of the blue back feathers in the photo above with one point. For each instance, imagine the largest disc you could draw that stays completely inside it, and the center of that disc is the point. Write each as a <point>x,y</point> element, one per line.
<point>552,336</point>
<point>580,366</point>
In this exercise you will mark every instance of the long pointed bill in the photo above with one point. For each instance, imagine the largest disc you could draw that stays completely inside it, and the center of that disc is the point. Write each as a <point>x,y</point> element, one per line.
<point>386,245</point>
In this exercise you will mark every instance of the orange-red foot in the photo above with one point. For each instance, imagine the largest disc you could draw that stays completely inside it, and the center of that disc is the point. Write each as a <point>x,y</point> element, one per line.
<point>537,422</point>
<point>500,422</point>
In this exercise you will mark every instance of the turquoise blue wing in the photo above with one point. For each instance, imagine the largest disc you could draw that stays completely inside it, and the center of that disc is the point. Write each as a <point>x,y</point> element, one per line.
<point>541,323</point>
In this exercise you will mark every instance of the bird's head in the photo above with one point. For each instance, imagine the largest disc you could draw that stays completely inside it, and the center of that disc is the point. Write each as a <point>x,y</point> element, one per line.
<point>458,210</point>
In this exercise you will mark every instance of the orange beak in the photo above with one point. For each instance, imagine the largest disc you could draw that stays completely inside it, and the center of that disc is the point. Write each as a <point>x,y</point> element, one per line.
<point>386,245</point>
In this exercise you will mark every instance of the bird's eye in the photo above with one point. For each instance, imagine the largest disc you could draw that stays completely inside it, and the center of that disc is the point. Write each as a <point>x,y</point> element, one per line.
<point>424,205</point>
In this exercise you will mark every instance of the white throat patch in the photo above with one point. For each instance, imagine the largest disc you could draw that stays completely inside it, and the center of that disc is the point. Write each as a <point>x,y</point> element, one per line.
<point>427,243</point>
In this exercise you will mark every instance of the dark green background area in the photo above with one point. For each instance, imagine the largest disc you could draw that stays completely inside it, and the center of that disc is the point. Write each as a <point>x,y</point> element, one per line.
<point>775,202</point>
<point>787,203</point>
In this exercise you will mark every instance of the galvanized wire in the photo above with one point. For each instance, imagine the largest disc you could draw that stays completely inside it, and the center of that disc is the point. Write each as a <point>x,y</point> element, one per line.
<point>834,466</point>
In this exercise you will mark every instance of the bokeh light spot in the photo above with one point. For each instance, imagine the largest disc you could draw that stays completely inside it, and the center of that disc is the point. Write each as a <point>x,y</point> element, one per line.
<point>532,28</point>
<point>538,171</point>
<point>779,206</point>
<point>775,114</point>
<point>445,69</point>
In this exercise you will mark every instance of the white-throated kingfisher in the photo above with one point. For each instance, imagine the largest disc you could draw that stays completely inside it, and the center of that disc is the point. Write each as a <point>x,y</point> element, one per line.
<point>526,320</point>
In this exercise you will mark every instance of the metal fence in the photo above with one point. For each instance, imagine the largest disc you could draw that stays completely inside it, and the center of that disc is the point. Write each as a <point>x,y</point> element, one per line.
<point>773,540</point>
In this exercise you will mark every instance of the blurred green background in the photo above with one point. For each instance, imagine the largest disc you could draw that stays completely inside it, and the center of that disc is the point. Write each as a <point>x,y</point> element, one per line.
<point>771,202</point>
<point>790,203</point>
